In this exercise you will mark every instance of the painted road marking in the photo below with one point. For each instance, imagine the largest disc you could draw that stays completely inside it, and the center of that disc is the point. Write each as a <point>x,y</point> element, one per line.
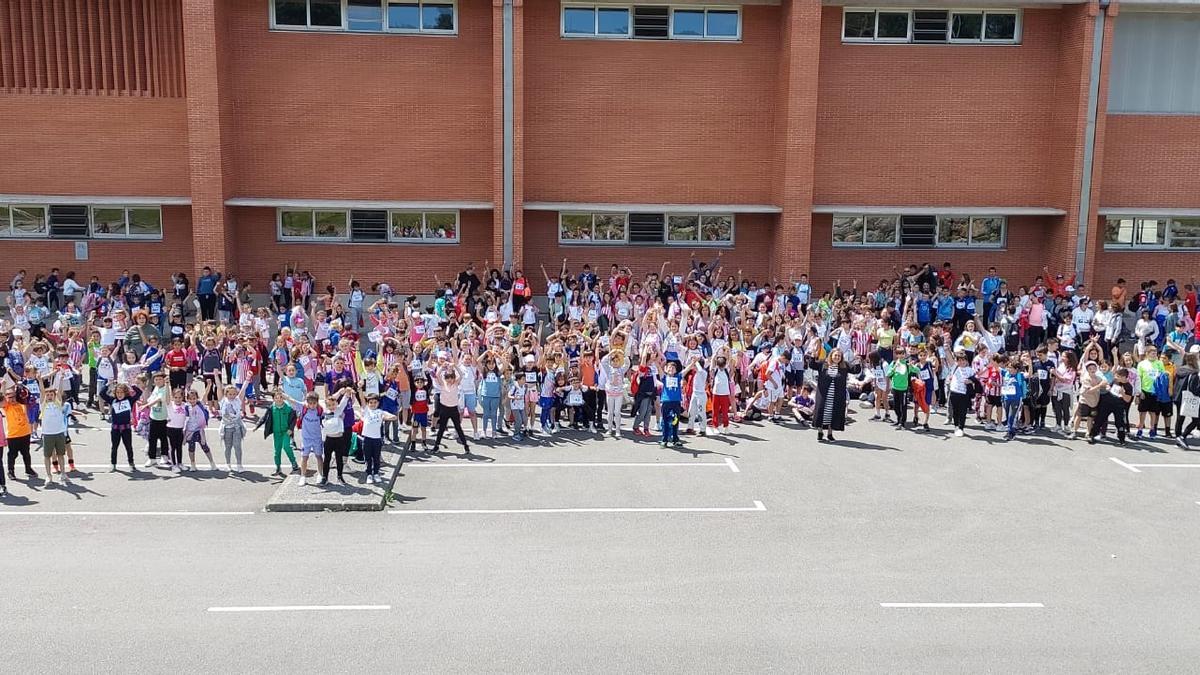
<point>963,605</point>
<point>758,506</point>
<point>126,513</point>
<point>304,608</point>
<point>728,463</point>
<point>1137,468</point>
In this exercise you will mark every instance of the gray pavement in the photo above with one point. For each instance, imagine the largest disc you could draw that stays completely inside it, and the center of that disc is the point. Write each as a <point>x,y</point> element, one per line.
<point>587,555</point>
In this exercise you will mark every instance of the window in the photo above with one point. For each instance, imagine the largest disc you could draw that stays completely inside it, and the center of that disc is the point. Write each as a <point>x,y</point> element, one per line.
<point>80,221</point>
<point>1134,232</point>
<point>925,26</point>
<point>592,228</point>
<point>683,229</point>
<point>651,22</point>
<point>126,221</point>
<point>367,226</point>
<point>596,21</point>
<point>918,231</point>
<point>366,16</point>
<point>705,24</point>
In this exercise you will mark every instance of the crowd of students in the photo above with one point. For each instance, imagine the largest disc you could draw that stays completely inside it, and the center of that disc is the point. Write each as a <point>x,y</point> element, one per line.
<point>337,374</point>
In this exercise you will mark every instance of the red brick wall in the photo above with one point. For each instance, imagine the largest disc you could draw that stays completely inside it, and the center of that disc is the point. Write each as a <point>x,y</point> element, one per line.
<point>408,268</point>
<point>345,116</point>
<point>154,260</point>
<point>938,124</point>
<point>642,121</point>
<point>93,145</point>
<point>751,251</point>
<point>1020,261</point>
<point>1152,161</point>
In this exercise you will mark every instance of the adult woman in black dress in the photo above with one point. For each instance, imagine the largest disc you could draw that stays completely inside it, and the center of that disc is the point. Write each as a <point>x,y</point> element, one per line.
<point>829,415</point>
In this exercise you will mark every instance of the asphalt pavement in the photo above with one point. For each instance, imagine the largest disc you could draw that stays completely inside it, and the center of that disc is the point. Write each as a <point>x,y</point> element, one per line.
<point>758,551</point>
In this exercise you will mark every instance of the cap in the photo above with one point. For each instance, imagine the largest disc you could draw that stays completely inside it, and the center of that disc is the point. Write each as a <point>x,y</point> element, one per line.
<point>1194,349</point>
<point>1069,289</point>
<point>529,360</point>
<point>17,332</point>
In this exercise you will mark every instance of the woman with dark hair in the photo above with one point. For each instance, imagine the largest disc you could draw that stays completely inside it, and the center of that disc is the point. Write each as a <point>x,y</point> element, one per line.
<point>829,414</point>
<point>1187,385</point>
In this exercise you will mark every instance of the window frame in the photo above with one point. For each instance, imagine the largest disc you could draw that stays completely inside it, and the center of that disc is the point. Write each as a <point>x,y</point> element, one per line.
<point>629,35</point>
<point>895,243</point>
<point>124,208</point>
<point>10,233</point>
<point>314,238</point>
<point>1017,13</point>
<point>1135,243</point>
<point>704,10</point>
<point>698,242</point>
<point>384,5</point>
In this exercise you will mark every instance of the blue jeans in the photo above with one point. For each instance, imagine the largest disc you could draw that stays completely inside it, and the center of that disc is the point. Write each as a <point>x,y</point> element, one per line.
<point>547,405</point>
<point>1012,411</point>
<point>491,411</point>
<point>670,420</point>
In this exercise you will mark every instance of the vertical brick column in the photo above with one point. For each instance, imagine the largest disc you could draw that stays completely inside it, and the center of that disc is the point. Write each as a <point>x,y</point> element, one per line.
<point>498,123</point>
<point>1095,233</point>
<point>796,129</point>
<point>208,117</point>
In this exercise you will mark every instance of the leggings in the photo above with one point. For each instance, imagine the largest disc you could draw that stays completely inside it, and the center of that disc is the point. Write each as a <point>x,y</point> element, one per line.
<point>336,448</point>
<point>546,403</point>
<point>283,445</point>
<point>158,439</point>
<point>446,415</point>
<point>175,439</point>
<point>900,405</point>
<point>118,437</point>
<point>960,405</point>
<point>373,452</point>
<point>1192,423</point>
<point>19,445</point>
<point>231,437</point>
<point>721,410</point>
<point>491,412</point>
<point>614,411</point>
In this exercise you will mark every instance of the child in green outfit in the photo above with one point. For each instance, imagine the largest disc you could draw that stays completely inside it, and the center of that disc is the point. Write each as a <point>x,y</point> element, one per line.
<point>279,420</point>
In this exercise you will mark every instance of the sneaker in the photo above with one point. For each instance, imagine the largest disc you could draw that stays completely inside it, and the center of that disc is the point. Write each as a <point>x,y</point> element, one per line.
<point>149,463</point>
<point>114,468</point>
<point>713,432</point>
<point>175,468</point>
<point>958,433</point>
<point>239,467</point>
<point>1181,442</point>
<point>303,480</point>
<point>212,466</point>
<point>3,491</point>
<point>1154,433</point>
<point>1138,434</point>
<point>989,426</point>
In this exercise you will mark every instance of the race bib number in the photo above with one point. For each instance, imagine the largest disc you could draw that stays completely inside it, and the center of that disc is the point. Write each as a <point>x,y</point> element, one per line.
<point>1042,374</point>
<point>575,398</point>
<point>422,395</point>
<point>1009,390</point>
<point>531,378</point>
<point>623,313</point>
<point>121,406</point>
<point>392,394</point>
<point>593,315</point>
<point>672,382</point>
<point>491,377</point>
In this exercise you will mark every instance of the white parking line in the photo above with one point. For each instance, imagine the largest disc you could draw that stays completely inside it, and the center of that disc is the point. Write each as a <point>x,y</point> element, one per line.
<point>304,608</point>
<point>963,605</point>
<point>1137,468</point>
<point>728,463</point>
<point>126,513</point>
<point>1127,466</point>
<point>758,506</point>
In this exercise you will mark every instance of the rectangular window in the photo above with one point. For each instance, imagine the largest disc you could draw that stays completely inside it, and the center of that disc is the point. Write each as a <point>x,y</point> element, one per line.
<point>69,221</point>
<point>685,229</point>
<point>29,221</point>
<point>368,226</point>
<point>918,231</point>
<point>364,15</point>
<point>144,222</point>
<point>1185,232</point>
<point>926,26</point>
<point>651,22</point>
<point>367,16</point>
<point>1136,232</point>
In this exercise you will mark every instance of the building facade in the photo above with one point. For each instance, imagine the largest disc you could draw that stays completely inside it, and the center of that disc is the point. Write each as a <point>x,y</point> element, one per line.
<point>395,140</point>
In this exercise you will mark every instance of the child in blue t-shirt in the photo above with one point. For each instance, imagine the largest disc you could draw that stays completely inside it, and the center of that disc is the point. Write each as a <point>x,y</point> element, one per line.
<point>1012,392</point>
<point>672,404</point>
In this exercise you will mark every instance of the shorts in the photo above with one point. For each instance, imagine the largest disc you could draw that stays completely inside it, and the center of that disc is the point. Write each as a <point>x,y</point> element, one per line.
<point>774,392</point>
<point>993,400</point>
<point>1085,411</point>
<point>793,378</point>
<point>405,400</point>
<point>469,402</point>
<point>421,419</point>
<point>54,444</point>
<point>317,449</point>
<point>1147,404</point>
<point>1166,408</point>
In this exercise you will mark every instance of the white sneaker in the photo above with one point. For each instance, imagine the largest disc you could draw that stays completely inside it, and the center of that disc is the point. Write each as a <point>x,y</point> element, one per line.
<point>162,462</point>
<point>714,432</point>
<point>212,466</point>
<point>175,468</point>
<point>229,468</point>
<point>239,467</point>
<point>149,463</point>
<point>114,468</point>
<point>303,480</point>
<point>958,432</point>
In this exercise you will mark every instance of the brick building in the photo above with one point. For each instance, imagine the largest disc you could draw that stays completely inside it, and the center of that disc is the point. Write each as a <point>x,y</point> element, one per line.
<point>398,139</point>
